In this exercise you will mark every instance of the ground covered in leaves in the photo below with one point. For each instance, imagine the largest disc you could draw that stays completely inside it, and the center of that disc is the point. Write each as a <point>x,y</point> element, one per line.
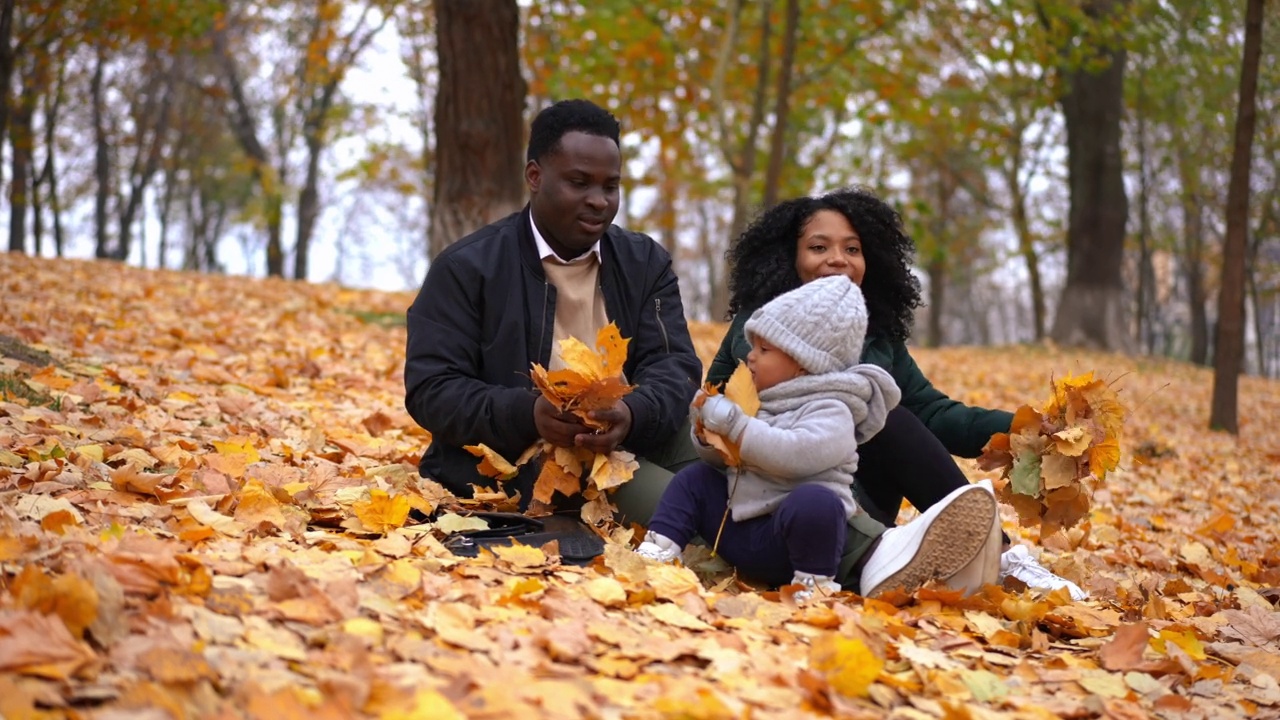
<point>208,508</point>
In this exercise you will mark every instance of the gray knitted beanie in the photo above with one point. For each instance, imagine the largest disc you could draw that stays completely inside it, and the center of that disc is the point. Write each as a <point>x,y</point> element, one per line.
<point>820,324</point>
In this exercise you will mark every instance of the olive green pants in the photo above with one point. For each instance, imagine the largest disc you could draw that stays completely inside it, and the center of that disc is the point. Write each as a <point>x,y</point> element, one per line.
<point>638,498</point>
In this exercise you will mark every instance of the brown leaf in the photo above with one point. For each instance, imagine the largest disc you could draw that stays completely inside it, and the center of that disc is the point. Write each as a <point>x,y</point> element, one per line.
<point>1124,651</point>
<point>32,643</point>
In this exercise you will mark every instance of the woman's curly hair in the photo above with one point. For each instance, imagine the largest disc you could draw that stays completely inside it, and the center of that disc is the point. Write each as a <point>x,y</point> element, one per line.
<point>762,262</point>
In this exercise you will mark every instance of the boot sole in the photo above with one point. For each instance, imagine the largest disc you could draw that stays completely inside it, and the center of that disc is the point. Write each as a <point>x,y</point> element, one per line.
<point>953,539</point>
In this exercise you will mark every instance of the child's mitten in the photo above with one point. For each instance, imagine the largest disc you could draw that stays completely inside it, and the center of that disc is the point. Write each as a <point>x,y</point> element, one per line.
<point>723,417</point>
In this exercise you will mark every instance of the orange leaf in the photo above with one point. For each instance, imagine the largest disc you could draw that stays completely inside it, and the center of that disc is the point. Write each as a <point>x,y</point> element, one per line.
<point>491,463</point>
<point>552,478</point>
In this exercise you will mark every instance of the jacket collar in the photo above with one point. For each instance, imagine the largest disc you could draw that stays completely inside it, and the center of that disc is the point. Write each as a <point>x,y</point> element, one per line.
<point>529,251</point>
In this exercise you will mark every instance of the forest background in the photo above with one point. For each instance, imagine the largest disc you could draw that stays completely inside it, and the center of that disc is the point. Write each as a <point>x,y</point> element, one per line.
<point>1062,166</point>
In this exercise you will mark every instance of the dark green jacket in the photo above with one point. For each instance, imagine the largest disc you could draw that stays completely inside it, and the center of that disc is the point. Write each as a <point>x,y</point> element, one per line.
<point>962,429</point>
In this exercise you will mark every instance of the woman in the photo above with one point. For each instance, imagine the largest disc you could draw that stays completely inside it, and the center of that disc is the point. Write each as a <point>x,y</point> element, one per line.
<point>851,232</point>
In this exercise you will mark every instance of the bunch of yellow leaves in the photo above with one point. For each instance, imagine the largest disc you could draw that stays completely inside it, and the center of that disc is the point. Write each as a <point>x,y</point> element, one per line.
<point>591,380</point>
<point>741,389</point>
<point>1053,459</point>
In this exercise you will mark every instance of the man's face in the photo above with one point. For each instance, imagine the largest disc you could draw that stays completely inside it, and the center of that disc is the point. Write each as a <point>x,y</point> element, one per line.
<point>574,191</point>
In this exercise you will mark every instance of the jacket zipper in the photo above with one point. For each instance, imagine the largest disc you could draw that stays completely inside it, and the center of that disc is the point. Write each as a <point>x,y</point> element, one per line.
<point>542,337</point>
<point>657,311</point>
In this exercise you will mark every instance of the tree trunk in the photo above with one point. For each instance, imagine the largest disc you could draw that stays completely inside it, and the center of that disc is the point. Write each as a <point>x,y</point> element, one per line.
<point>1145,301</point>
<point>245,130</point>
<point>101,158</point>
<point>1027,248</point>
<point>22,142</point>
<point>308,209</point>
<point>479,118</point>
<point>6,73</point>
<point>1092,310</point>
<point>49,174</point>
<point>1193,244</point>
<point>1229,348</point>
<point>936,270</point>
<point>152,121</point>
<point>782,105</point>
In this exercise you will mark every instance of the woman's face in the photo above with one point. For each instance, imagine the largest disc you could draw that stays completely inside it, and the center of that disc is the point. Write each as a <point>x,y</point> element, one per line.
<point>829,245</point>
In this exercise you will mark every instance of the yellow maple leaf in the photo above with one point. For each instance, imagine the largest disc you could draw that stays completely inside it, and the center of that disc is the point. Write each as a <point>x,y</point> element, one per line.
<point>1104,457</point>
<point>1061,388</point>
<point>491,463</point>
<point>846,663</point>
<point>520,556</point>
<point>238,447</point>
<point>1187,641</point>
<point>258,505</point>
<point>71,598</point>
<point>741,389</point>
<point>382,513</point>
<point>591,379</point>
<point>614,469</point>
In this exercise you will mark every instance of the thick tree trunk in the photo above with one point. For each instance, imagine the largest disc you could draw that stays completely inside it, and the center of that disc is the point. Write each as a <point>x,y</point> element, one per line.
<point>6,72</point>
<point>1092,310</point>
<point>1228,353</point>
<point>23,143</point>
<point>479,118</point>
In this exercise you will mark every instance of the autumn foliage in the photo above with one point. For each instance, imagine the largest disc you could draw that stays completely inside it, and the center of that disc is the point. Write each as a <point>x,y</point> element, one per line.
<point>1053,459</point>
<point>591,379</point>
<point>209,508</point>
<point>741,389</point>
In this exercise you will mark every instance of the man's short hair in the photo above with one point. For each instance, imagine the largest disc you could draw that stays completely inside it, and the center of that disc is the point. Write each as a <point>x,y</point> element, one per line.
<point>569,116</point>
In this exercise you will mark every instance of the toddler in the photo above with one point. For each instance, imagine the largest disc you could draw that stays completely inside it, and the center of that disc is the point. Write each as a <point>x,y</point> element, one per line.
<point>788,514</point>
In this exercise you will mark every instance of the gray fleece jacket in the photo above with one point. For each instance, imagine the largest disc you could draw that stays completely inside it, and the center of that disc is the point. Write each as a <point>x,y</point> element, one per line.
<point>807,431</point>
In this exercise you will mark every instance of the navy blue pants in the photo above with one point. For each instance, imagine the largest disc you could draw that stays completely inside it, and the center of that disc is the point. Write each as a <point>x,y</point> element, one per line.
<point>806,532</point>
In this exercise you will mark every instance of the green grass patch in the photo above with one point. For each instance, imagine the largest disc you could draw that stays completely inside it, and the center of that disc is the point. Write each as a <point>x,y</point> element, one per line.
<point>14,388</point>
<point>381,319</point>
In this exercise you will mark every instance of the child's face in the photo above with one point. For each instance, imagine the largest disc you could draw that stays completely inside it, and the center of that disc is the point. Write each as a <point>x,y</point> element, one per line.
<point>769,365</point>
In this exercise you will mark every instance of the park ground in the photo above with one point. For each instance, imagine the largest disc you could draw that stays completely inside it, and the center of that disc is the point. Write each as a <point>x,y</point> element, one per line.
<point>208,508</point>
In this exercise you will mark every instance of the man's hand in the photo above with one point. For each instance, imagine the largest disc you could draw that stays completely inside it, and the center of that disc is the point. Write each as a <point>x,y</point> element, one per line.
<point>618,419</point>
<point>556,427</point>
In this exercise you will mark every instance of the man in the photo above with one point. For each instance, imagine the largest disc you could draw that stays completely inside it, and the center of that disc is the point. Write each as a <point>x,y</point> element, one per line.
<point>500,299</point>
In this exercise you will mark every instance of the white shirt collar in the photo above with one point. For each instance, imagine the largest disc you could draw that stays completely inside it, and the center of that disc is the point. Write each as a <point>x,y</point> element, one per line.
<point>545,251</point>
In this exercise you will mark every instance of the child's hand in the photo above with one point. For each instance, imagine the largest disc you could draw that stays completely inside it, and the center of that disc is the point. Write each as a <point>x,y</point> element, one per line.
<point>723,417</point>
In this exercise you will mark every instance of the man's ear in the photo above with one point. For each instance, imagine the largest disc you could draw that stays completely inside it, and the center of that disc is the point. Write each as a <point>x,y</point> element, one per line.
<point>533,175</point>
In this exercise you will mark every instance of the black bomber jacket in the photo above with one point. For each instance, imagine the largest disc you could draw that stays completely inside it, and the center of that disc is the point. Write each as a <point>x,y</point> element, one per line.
<point>486,313</point>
